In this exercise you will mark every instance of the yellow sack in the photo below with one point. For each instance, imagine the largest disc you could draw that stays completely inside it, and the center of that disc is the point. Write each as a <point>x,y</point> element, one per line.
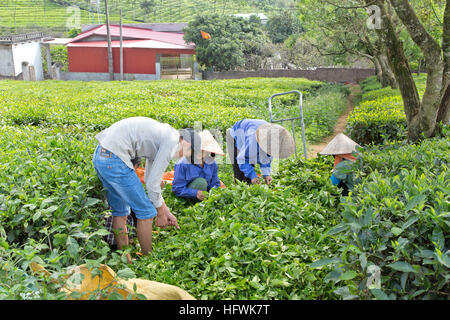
<point>80,281</point>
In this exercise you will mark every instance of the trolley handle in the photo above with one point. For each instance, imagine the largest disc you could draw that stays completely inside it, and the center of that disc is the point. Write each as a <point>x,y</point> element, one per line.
<point>282,94</point>
<point>292,118</point>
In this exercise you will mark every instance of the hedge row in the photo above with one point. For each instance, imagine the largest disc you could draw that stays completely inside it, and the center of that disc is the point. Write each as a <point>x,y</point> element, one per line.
<point>395,229</point>
<point>380,115</point>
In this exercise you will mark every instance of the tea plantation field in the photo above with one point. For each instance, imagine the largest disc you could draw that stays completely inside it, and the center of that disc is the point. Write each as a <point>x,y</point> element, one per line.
<point>295,239</point>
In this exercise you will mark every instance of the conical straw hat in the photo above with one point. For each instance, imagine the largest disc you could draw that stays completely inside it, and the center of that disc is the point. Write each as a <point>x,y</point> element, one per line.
<point>341,144</point>
<point>210,144</point>
<point>275,140</point>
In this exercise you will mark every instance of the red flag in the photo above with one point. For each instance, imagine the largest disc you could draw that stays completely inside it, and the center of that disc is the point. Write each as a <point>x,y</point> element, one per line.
<point>205,35</point>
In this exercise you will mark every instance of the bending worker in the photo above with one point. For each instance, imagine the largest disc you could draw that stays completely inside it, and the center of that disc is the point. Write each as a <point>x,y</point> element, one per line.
<point>342,148</point>
<point>197,173</point>
<point>118,146</point>
<point>254,141</point>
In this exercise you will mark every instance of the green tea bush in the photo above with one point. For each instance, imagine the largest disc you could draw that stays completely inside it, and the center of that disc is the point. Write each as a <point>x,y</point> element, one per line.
<point>396,225</point>
<point>380,115</point>
<point>252,242</point>
<point>370,84</point>
<point>375,121</point>
<point>380,93</point>
<point>49,191</point>
<point>51,201</point>
<point>96,105</point>
<point>242,242</point>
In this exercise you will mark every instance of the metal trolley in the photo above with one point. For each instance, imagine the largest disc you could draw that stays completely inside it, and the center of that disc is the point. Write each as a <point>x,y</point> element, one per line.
<point>291,119</point>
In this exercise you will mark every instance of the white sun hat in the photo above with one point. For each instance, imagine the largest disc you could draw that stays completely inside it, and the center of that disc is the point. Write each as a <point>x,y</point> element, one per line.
<point>275,140</point>
<point>210,144</point>
<point>341,144</point>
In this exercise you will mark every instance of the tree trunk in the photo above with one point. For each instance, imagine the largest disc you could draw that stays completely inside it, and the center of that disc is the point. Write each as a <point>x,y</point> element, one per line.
<point>431,100</point>
<point>400,67</point>
<point>378,70</point>
<point>377,53</point>
<point>443,113</point>
<point>421,116</point>
<point>388,75</point>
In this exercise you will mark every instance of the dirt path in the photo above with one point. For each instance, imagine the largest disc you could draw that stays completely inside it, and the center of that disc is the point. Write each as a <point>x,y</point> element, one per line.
<point>340,124</point>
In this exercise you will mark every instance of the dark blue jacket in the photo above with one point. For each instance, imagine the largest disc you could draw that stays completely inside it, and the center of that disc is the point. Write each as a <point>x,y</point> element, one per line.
<point>185,173</point>
<point>244,133</point>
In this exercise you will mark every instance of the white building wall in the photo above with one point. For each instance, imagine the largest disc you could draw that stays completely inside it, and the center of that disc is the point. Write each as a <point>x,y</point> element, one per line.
<point>6,61</point>
<point>30,52</point>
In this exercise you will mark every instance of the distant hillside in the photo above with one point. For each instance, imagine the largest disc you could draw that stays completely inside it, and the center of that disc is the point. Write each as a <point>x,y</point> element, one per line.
<point>58,16</point>
<point>17,16</point>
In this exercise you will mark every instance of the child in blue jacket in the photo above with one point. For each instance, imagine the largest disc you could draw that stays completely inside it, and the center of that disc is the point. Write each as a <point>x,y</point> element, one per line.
<point>199,172</point>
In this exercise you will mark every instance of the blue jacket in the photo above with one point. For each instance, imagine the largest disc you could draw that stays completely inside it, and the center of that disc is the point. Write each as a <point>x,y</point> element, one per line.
<point>185,173</point>
<point>244,133</point>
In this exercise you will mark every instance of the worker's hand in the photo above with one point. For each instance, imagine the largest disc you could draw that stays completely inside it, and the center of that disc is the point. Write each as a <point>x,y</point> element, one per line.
<point>268,179</point>
<point>161,219</point>
<point>255,181</point>
<point>200,195</point>
<point>162,184</point>
<point>172,220</point>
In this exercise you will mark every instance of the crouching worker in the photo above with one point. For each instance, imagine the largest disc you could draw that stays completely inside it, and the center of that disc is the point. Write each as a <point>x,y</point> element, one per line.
<point>342,148</point>
<point>197,173</point>
<point>127,139</point>
<point>254,141</point>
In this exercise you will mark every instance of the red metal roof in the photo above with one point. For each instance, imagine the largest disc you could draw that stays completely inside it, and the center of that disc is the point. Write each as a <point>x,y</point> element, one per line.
<point>147,44</point>
<point>134,33</point>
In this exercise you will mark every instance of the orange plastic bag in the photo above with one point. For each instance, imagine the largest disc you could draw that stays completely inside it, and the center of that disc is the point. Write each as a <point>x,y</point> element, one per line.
<point>140,173</point>
<point>168,177</point>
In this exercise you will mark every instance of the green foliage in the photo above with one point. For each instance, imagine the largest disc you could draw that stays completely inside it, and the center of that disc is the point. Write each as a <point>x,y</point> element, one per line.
<point>72,33</point>
<point>58,55</point>
<point>232,38</point>
<point>374,121</point>
<point>370,84</point>
<point>380,115</point>
<point>282,25</point>
<point>46,186</point>
<point>51,16</point>
<point>52,203</point>
<point>396,222</point>
<point>50,207</point>
<point>252,242</point>
<point>147,5</point>
<point>96,105</point>
<point>334,33</point>
<point>323,110</point>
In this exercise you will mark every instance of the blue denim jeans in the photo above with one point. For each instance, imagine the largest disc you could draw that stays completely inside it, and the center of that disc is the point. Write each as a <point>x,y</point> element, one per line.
<point>124,190</point>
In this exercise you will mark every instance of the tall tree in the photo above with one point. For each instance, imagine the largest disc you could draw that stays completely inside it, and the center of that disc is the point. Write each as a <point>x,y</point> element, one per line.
<point>339,33</point>
<point>423,116</point>
<point>397,19</point>
<point>234,41</point>
<point>282,25</point>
